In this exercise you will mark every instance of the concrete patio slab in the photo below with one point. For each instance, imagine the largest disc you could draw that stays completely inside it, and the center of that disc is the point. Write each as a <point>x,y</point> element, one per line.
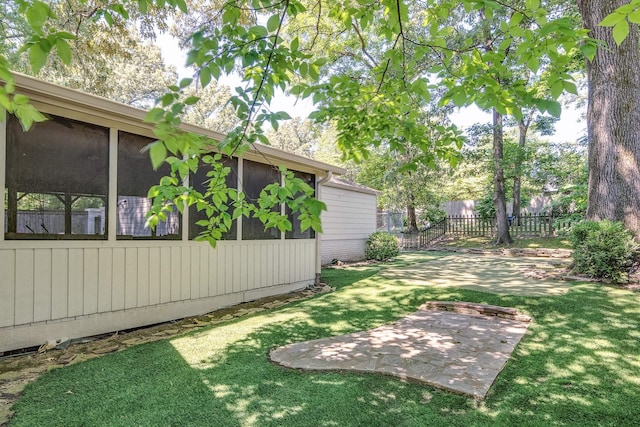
<point>459,352</point>
<point>487,273</point>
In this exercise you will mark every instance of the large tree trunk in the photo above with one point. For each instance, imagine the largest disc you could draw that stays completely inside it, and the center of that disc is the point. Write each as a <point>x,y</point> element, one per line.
<point>412,222</point>
<point>613,120</point>
<point>502,226</point>
<point>517,179</point>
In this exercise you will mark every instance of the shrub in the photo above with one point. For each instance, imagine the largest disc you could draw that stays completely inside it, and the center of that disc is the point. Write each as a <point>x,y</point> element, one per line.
<point>485,208</point>
<point>382,246</point>
<point>603,249</point>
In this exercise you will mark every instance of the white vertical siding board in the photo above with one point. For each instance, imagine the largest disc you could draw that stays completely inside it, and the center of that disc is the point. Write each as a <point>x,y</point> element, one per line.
<point>7,287</point>
<point>287,264</point>
<point>76,277</point>
<point>194,261</point>
<point>267,271</point>
<point>300,266</point>
<point>105,279</point>
<point>214,283</point>
<point>244,265</point>
<point>311,259</point>
<point>90,281</point>
<point>263,279</point>
<point>42,285</point>
<point>254,272</point>
<point>233,268</point>
<point>205,284</point>
<point>185,274</point>
<point>59,283</point>
<point>279,266</point>
<point>118,275</point>
<point>154,276</point>
<point>224,286</point>
<point>176,271</point>
<point>165,277</point>
<point>131,278</point>
<point>227,269</point>
<point>143,277</point>
<point>274,268</point>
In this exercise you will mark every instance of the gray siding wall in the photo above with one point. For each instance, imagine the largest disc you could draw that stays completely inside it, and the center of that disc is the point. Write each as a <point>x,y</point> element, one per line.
<point>52,290</point>
<point>348,222</point>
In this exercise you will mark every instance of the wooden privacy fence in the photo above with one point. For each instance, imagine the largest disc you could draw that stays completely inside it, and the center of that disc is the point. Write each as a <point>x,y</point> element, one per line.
<point>531,225</point>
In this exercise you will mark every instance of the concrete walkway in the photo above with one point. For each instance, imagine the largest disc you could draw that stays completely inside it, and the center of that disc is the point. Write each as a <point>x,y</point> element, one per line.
<point>462,351</point>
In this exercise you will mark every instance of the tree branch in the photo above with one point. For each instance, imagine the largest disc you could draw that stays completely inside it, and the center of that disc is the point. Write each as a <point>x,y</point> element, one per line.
<point>363,45</point>
<point>265,73</point>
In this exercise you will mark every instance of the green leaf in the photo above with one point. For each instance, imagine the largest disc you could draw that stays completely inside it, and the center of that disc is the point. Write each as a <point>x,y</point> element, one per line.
<point>64,51</point>
<point>157,152</point>
<point>612,19</point>
<point>205,77</point>
<point>554,108</point>
<point>570,87</point>
<point>634,17</point>
<point>142,5</point>
<point>182,5</point>
<point>620,31</point>
<point>37,57</point>
<point>259,31</point>
<point>532,4</point>
<point>191,100</point>
<point>107,17</point>
<point>557,88</point>
<point>273,23</point>
<point>154,115</point>
<point>28,115</point>
<point>295,43</point>
<point>37,15</point>
<point>589,50</point>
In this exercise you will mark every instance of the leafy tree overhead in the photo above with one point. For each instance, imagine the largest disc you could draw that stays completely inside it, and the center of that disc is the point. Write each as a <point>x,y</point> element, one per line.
<point>297,136</point>
<point>396,56</point>
<point>94,56</point>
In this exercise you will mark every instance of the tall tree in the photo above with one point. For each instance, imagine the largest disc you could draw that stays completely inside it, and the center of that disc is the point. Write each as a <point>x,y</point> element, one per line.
<point>296,136</point>
<point>613,119</point>
<point>376,100</point>
<point>95,56</point>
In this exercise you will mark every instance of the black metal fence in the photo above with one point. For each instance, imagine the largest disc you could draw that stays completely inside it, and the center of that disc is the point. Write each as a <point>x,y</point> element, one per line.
<point>529,225</point>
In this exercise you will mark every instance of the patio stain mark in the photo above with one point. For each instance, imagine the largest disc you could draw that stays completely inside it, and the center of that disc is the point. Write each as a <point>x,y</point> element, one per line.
<point>462,353</point>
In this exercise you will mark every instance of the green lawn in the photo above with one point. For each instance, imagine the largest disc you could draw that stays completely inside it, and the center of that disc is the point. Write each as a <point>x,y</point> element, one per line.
<point>579,364</point>
<point>518,242</point>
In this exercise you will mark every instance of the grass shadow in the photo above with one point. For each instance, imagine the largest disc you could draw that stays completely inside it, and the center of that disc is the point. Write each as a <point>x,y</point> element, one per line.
<point>579,364</point>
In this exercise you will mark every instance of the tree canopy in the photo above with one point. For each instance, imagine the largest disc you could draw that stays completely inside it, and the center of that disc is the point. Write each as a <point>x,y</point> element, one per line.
<point>370,67</point>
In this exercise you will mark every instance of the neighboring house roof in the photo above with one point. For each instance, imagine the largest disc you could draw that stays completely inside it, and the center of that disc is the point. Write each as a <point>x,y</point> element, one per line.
<point>338,182</point>
<point>58,100</point>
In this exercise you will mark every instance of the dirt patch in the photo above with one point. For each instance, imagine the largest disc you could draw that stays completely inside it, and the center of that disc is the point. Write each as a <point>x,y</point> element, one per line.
<point>17,371</point>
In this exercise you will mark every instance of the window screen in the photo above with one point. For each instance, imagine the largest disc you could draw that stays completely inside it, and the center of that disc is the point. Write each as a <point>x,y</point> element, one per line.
<point>295,232</point>
<point>135,177</point>
<point>256,176</point>
<point>57,179</point>
<point>199,182</point>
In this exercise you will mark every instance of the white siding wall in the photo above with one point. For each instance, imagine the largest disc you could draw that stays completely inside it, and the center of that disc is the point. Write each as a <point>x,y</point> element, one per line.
<point>72,289</point>
<point>348,222</point>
